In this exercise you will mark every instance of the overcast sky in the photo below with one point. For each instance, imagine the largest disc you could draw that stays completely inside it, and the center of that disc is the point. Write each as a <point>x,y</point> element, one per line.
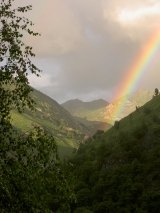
<point>87,46</point>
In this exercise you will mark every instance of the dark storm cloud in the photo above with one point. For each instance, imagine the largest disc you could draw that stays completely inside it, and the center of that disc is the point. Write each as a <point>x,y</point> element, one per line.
<point>87,47</point>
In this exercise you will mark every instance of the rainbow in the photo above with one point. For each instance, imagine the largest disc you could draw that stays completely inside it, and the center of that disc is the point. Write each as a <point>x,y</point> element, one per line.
<point>136,72</point>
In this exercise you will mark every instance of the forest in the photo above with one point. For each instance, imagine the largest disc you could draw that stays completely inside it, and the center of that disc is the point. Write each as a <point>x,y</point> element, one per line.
<point>112,171</point>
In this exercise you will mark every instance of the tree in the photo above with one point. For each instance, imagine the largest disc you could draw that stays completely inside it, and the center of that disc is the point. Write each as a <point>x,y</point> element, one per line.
<point>98,133</point>
<point>147,110</point>
<point>156,92</point>
<point>30,175</point>
<point>15,58</point>
<point>116,124</point>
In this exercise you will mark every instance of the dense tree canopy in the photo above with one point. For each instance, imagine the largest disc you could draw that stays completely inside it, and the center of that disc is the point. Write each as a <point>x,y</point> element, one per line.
<point>119,170</point>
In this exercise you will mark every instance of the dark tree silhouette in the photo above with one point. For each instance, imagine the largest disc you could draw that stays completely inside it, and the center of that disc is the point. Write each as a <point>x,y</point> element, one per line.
<point>156,92</point>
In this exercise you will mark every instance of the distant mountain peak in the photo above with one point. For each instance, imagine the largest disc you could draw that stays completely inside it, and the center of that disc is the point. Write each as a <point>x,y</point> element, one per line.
<point>75,106</point>
<point>73,101</point>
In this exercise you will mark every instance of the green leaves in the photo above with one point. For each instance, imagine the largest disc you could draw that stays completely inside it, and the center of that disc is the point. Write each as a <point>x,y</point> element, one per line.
<point>15,57</point>
<point>29,163</point>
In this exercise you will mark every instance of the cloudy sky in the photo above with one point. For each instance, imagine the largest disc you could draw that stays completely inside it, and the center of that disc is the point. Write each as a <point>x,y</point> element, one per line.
<point>86,47</point>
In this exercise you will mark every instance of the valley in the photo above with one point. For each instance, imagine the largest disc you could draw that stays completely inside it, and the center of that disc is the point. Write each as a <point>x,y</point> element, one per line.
<point>68,131</point>
<point>78,133</point>
<point>75,120</point>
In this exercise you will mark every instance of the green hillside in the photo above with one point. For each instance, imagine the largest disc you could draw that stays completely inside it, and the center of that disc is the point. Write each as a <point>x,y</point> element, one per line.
<point>93,126</point>
<point>67,131</point>
<point>119,170</point>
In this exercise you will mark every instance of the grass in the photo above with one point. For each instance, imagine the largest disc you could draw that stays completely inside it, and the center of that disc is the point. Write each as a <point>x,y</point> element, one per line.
<point>21,121</point>
<point>26,122</point>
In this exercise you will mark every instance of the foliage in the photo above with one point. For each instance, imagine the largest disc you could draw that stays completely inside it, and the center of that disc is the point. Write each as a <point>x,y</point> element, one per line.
<point>116,124</point>
<point>140,130</point>
<point>156,92</point>
<point>31,179</point>
<point>123,173</point>
<point>30,174</point>
<point>15,58</point>
<point>98,133</point>
<point>154,118</point>
<point>147,110</point>
<point>82,210</point>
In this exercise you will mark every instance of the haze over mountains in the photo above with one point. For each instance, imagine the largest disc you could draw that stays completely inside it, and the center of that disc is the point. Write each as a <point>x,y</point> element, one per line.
<point>74,120</point>
<point>101,110</point>
<point>77,107</point>
<point>95,104</point>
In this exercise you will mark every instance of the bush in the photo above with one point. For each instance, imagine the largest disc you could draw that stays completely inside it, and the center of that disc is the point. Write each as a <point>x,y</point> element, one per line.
<point>83,197</point>
<point>82,210</point>
<point>98,133</point>
<point>116,124</point>
<point>154,118</point>
<point>147,110</point>
<point>140,131</point>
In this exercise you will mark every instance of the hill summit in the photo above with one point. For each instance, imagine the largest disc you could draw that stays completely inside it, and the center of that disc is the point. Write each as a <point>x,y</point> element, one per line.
<point>101,110</point>
<point>78,108</point>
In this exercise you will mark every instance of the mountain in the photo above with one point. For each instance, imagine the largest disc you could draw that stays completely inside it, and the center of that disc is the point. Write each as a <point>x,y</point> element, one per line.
<point>81,111</point>
<point>79,108</point>
<point>105,113</point>
<point>131,101</point>
<point>118,171</point>
<point>68,132</point>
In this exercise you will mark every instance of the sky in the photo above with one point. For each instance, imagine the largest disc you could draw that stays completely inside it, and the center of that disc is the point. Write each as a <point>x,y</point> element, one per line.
<point>86,47</point>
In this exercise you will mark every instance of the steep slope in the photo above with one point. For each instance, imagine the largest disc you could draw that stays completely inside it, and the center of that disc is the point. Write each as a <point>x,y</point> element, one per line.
<point>104,114</point>
<point>118,171</point>
<point>93,126</point>
<point>67,131</point>
<point>137,99</point>
<point>83,110</point>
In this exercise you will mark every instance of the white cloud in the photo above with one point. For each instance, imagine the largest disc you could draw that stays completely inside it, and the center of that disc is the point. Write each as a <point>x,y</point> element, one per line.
<point>42,81</point>
<point>132,17</point>
<point>140,14</point>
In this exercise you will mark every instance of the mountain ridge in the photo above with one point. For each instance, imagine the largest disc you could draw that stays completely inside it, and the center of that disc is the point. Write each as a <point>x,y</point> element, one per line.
<point>76,106</point>
<point>104,113</point>
<point>54,118</point>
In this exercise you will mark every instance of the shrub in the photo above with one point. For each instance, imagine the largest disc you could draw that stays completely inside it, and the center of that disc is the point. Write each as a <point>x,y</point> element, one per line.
<point>140,131</point>
<point>147,110</point>
<point>116,124</point>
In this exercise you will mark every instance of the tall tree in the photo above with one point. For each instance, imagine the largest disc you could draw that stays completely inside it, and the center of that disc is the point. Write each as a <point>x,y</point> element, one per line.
<point>156,92</point>
<point>15,58</point>
<point>30,175</point>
